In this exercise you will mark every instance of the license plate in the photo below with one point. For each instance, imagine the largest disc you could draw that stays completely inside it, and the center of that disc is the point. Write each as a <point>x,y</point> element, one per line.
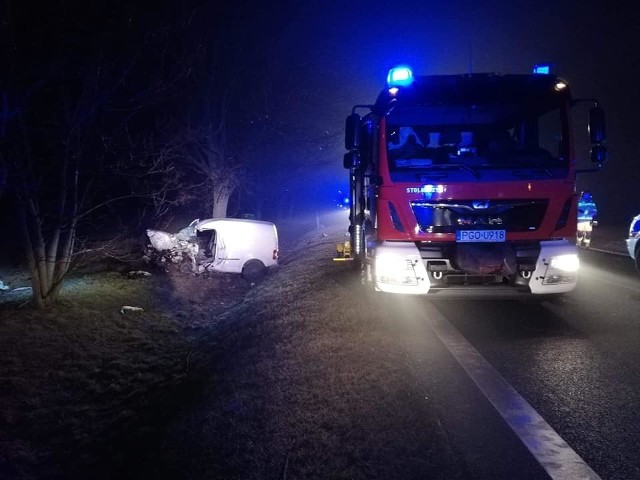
<point>469,236</point>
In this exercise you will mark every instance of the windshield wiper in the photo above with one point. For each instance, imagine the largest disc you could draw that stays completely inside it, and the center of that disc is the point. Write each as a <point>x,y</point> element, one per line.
<point>526,171</point>
<point>446,166</point>
<point>520,169</point>
<point>458,166</point>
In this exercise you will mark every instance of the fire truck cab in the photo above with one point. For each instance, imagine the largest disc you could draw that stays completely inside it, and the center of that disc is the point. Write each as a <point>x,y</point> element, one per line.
<point>467,182</point>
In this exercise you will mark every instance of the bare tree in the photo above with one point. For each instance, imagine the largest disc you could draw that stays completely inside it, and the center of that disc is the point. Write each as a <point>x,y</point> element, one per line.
<point>4,119</point>
<point>80,118</point>
<point>210,155</point>
<point>68,105</point>
<point>212,152</point>
<point>58,183</point>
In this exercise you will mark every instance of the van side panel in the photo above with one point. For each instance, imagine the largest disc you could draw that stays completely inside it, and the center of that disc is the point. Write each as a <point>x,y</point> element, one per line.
<point>239,241</point>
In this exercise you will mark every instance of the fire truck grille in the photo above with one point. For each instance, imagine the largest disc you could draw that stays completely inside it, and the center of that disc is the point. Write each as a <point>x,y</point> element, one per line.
<point>445,216</point>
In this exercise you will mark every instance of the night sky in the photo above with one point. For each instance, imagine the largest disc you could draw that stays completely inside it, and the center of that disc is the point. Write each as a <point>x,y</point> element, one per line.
<point>593,45</point>
<point>331,55</point>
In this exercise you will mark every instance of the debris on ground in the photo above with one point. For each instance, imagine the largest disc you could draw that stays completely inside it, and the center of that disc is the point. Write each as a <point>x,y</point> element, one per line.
<point>129,309</point>
<point>138,273</point>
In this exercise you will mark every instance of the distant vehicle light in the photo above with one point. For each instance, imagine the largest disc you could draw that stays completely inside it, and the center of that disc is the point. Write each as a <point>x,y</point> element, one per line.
<point>400,76</point>
<point>560,85</point>
<point>342,200</point>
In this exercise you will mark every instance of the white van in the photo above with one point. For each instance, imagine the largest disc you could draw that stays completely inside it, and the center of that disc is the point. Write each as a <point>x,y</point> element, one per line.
<point>234,245</point>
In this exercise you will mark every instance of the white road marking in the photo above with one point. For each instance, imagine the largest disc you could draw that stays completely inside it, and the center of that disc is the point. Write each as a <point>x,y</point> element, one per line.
<point>620,254</point>
<point>549,449</point>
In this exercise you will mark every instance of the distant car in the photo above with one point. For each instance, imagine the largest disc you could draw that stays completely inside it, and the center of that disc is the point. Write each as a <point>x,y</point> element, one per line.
<point>633,243</point>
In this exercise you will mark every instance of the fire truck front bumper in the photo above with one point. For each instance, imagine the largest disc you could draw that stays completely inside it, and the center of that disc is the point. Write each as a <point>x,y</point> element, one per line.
<point>556,269</point>
<point>398,267</point>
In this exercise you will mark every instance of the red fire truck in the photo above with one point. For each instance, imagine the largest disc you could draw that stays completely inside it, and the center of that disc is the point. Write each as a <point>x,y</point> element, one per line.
<point>467,182</point>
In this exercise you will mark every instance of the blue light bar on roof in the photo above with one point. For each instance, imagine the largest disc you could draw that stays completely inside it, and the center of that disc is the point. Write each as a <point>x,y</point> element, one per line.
<point>542,69</point>
<point>400,76</point>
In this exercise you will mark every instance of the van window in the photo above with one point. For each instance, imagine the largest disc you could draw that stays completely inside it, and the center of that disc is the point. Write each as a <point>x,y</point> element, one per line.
<point>207,243</point>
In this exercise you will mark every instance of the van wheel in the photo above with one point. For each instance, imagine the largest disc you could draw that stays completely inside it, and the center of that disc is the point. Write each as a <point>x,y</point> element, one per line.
<point>254,270</point>
<point>637,259</point>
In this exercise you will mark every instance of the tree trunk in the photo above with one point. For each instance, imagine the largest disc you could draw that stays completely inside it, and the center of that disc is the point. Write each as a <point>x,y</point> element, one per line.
<point>47,272</point>
<point>220,203</point>
<point>221,194</point>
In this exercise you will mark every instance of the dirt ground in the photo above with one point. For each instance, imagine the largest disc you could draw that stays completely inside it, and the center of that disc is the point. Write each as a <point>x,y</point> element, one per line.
<point>88,383</point>
<point>216,378</point>
<point>87,388</point>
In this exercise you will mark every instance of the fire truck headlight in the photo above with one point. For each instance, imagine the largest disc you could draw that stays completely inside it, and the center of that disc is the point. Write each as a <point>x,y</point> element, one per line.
<point>566,263</point>
<point>562,269</point>
<point>395,270</point>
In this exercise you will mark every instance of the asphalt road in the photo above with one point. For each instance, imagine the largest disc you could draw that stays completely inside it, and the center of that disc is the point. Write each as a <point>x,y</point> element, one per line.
<point>538,389</point>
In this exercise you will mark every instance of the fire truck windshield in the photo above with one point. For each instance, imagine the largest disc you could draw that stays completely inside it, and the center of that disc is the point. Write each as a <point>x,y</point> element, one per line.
<point>476,142</point>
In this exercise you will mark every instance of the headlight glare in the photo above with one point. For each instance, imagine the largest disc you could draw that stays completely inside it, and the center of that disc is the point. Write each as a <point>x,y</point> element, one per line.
<point>566,263</point>
<point>395,270</point>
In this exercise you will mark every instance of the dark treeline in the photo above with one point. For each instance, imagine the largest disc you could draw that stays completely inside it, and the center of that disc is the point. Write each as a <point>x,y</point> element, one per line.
<point>119,116</point>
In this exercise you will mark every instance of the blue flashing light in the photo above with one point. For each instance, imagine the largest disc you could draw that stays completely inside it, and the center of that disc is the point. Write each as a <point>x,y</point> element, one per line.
<point>342,200</point>
<point>542,69</point>
<point>400,76</point>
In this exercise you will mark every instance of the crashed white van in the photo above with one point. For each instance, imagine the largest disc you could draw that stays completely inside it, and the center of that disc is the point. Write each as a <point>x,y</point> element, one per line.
<point>230,245</point>
<point>239,246</point>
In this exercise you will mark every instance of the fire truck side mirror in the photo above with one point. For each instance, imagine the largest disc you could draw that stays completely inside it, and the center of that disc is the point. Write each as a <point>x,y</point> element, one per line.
<point>598,154</point>
<point>351,160</point>
<point>597,135</point>
<point>352,132</point>
<point>597,132</point>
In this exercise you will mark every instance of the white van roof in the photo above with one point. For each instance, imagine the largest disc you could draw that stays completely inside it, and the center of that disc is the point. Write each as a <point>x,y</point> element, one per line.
<point>213,223</point>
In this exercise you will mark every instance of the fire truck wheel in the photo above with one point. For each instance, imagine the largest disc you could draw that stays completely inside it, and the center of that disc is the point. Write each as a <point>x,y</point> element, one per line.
<point>254,270</point>
<point>366,281</point>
